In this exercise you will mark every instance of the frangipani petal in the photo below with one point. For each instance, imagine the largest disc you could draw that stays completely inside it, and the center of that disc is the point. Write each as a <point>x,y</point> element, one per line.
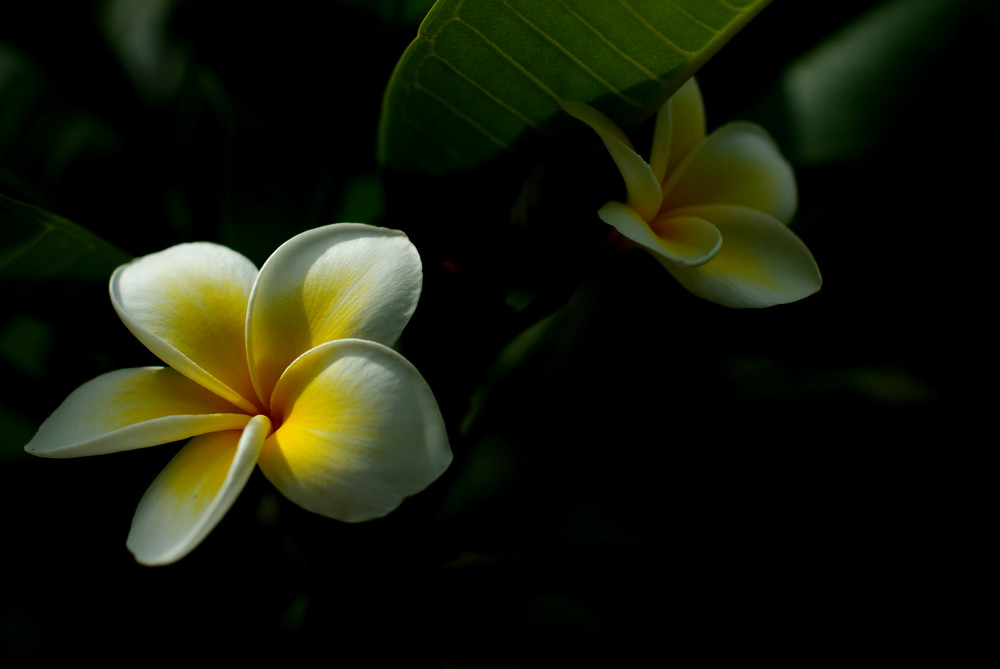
<point>193,492</point>
<point>336,282</point>
<point>360,431</point>
<point>761,262</point>
<point>188,305</point>
<point>683,240</point>
<point>644,193</point>
<point>680,127</point>
<point>132,408</point>
<point>738,164</point>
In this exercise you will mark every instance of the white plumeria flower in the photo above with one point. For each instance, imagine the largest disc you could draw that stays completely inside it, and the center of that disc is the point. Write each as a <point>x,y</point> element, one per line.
<point>287,368</point>
<point>713,210</point>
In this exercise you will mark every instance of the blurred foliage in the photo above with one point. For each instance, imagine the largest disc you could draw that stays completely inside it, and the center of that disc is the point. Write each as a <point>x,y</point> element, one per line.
<point>636,471</point>
<point>842,96</point>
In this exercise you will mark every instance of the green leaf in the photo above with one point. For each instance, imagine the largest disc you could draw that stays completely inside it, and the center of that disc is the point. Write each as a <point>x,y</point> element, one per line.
<point>38,245</point>
<point>484,77</point>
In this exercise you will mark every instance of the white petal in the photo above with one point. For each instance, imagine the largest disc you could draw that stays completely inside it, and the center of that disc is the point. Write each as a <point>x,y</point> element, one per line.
<point>132,408</point>
<point>680,127</point>
<point>339,281</point>
<point>738,164</point>
<point>359,431</point>
<point>188,305</point>
<point>761,262</point>
<point>193,492</point>
<point>684,240</point>
<point>644,193</point>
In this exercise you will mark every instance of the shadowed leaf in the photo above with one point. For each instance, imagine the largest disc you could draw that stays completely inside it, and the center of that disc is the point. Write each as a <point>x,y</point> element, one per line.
<point>39,245</point>
<point>484,77</point>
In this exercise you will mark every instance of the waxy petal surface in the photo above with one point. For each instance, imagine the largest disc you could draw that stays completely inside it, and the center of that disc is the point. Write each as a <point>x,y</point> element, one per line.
<point>680,127</point>
<point>188,305</point>
<point>738,164</point>
<point>132,408</point>
<point>761,262</point>
<point>644,193</point>
<point>193,492</point>
<point>336,282</point>
<point>683,240</point>
<point>360,431</point>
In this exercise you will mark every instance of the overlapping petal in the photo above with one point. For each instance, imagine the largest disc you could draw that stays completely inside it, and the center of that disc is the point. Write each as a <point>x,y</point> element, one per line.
<point>761,262</point>
<point>738,164</point>
<point>680,127</point>
<point>683,240</point>
<point>132,408</point>
<point>359,431</point>
<point>644,192</point>
<point>339,281</point>
<point>359,428</point>
<point>193,492</point>
<point>188,305</point>
<point>725,201</point>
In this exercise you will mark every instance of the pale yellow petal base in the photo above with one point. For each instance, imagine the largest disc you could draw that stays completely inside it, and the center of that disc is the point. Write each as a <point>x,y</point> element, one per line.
<point>193,492</point>
<point>132,408</point>
<point>360,431</point>
<point>761,263</point>
<point>686,241</point>
<point>345,280</point>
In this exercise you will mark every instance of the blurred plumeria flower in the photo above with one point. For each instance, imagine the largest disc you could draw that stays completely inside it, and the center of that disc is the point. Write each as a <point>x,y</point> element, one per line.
<point>713,210</point>
<point>287,368</point>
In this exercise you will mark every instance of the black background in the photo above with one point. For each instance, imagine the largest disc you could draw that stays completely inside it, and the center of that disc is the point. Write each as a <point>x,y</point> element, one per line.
<point>660,475</point>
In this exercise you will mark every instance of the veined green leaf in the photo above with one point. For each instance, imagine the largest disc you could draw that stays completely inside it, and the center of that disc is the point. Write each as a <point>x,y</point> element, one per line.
<point>484,77</point>
<point>36,244</point>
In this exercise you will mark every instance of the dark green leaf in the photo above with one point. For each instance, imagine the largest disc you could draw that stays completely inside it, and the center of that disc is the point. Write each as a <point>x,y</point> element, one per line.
<point>36,245</point>
<point>485,76</point>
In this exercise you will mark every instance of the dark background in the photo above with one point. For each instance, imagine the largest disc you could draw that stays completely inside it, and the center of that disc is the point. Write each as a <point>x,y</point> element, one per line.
<point>646,473</point>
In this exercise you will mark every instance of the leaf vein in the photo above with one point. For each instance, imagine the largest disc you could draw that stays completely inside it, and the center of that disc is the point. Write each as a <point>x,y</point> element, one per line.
<point>735,8</point>
<point>625,56</point>
<point>427,134</point>
<point>651,28</point>
<point>510,59</point>
<point>24,248</point>
<point>489,94</point>
<point>443,101</point>
<point>569,54</point>
<point>694,19</point>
